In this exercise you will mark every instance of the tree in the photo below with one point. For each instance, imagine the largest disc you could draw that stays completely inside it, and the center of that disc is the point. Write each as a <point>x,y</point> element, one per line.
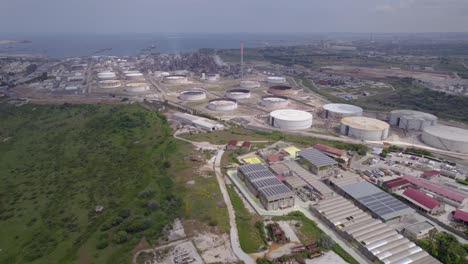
<point>325,241</point>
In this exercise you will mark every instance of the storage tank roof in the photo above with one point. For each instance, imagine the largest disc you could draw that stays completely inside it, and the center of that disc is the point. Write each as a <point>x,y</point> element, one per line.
<point>411,114</point>
<point>367,123</point>
<point>343,108</point>
<point>447,132</point>
<point>291,115</point>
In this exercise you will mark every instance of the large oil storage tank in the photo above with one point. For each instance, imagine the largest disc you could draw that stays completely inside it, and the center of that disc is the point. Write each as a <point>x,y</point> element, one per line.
<point>276,79</point>
<point>134,75</point>
<point>339,111</point>
<point>280,90</point>
<point>222,104</point>
<point>137,87</point>
<point>364,128</point>
<point>290,119</point>
<point>175,79</point>
<point>274,101</point>
<point>106,75</point>
<point>238,94</point>
<point>105,84</point>
<point>446,137</point>
<point>192,95</point>
<point>249,84</point>
<point>412,120</point>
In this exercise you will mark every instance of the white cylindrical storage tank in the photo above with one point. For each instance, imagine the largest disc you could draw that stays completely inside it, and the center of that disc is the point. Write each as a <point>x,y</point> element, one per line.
<point>109,84</point>
<point>192,95</point>
<point>274,101</point>
<point>175,79</point>
<point>238,94</point>
<point>276,80</point>
<point>107,75</point>
<point>249,84</point>
<point>134,76</point>
<point>445,137</point>
<point>364,128</point>
<point>339,111</point>
<point>222,104</point>
<point>412,120</point>
<point>290,119</point>
<point>159,74</point>
<point>137,87</point>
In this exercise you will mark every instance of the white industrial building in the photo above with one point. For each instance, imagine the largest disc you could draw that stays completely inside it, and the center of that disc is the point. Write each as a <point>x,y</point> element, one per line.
<point>446,137</point>
<point>339,111</point>
<point>412,120</point>
<point>290,119</point>
<point>364,128</point>
<point>196,121</point>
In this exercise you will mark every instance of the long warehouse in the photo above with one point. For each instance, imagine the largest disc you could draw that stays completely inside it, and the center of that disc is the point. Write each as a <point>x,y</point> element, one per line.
<point>376,240</point>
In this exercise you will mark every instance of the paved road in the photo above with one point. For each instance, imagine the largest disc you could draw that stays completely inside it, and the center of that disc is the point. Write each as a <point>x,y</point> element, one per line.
<point>234,234</point>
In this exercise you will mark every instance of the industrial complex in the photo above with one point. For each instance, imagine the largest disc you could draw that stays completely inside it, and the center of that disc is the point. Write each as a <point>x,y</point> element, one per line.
<point>376,181</point>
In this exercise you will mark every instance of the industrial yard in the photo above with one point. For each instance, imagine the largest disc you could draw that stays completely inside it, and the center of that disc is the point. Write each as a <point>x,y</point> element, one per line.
<point>272,163</point>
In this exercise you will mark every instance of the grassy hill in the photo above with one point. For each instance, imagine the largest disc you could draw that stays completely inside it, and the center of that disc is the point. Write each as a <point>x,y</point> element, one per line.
<point>57,163</point>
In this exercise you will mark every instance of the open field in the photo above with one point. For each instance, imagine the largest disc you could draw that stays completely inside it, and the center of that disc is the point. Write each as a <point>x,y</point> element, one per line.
<point>310,233</point>
<point>59,162</point>
<point>222,137</point>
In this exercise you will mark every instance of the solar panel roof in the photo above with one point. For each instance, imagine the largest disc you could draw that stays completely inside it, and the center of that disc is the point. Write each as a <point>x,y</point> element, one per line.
<point>316,157</point>
<point>379,202</point>
<point>265,181</point>
<point>276,191</point>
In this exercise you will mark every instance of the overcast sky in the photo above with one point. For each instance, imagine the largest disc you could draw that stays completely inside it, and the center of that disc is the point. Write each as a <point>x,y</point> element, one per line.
<point>141,16</point>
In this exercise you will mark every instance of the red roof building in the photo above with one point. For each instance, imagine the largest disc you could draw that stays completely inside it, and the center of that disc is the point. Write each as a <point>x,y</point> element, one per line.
<point>246,145</point>
<point>430,174</point>
<point>461,216</point>
<point>329,150</point>
<point>442,191</point>
<point>274,158</point>
<point>423,201</point>
<point>396,184</point>
<point>232,144</point>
